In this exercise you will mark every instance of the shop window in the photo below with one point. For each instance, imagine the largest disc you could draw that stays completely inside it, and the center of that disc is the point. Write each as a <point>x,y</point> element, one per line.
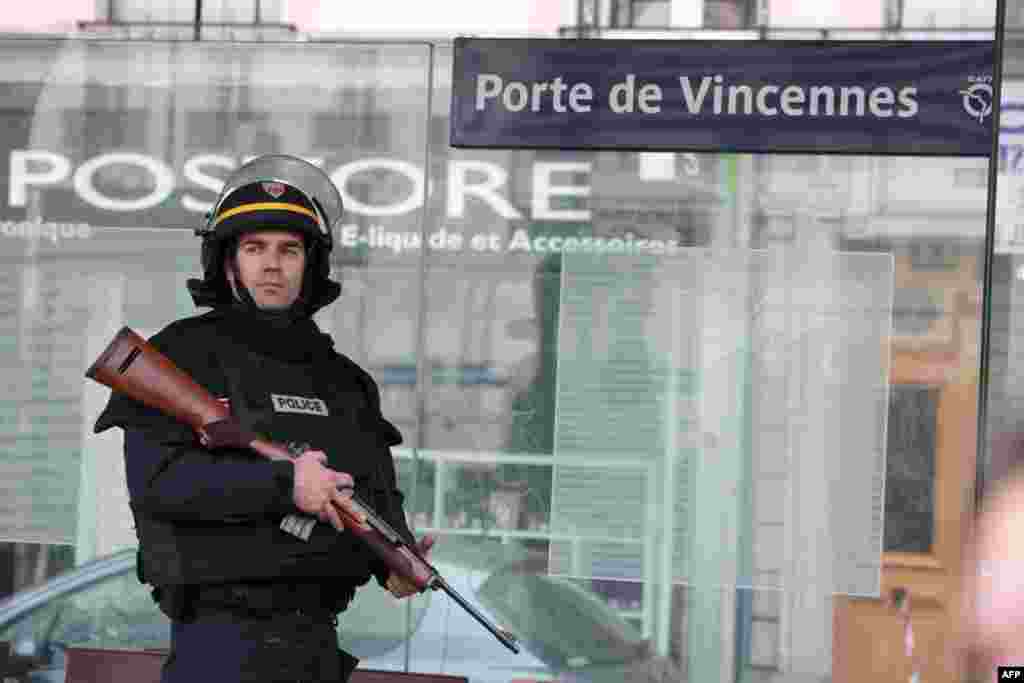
<point>728,14</point>
<point>649,14</point>
<point>910,469</point>
<point>718,14</point>
<point>915,311</point>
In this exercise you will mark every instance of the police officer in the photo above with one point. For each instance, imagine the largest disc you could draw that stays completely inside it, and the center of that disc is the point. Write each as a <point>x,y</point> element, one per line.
<point>250,558</point>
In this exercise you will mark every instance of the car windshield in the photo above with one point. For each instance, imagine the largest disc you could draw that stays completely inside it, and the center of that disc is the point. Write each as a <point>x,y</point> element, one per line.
<point>116,612</point>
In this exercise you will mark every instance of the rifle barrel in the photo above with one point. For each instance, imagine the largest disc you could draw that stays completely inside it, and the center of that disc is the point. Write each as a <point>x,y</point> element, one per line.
<point>506,638</point>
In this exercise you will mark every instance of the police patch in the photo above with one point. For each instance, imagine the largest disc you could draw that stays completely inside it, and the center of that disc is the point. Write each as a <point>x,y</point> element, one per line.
<point>298,404</point>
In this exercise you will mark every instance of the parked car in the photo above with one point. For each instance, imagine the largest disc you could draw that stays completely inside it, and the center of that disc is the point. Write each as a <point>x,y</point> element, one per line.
<point>567,633</point>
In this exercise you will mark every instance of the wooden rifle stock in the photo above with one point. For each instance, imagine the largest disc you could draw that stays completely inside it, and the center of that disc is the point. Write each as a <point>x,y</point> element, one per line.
<point>132,366</point>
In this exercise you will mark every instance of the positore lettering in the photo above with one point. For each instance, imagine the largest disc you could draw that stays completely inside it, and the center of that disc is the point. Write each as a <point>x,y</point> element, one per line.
<point>35,172</point>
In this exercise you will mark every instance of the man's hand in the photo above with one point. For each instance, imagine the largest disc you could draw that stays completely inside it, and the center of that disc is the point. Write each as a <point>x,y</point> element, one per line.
<point>403,588</point>
<point>319,492</point>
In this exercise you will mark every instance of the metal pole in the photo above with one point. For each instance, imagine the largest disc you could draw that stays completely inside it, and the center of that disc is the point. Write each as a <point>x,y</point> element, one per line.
<point>198,21</point>
<point>990,234</point>
<point>423,368</point>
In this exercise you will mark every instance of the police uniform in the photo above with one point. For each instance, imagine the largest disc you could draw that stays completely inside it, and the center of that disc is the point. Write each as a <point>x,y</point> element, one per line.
<point>248,599</point>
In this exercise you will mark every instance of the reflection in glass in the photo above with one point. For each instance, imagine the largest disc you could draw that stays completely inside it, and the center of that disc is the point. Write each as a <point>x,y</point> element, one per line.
<point>910,469</point>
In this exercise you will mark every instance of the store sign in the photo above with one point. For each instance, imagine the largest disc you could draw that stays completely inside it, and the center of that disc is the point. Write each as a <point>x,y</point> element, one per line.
<point>920,98</point>
<point>35,172</point>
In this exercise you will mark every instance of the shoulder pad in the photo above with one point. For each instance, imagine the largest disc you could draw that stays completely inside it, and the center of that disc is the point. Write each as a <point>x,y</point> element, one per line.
<point>392,436</point>
<point>365,379</point>
<point>174,342</point>
<point>184,326</point>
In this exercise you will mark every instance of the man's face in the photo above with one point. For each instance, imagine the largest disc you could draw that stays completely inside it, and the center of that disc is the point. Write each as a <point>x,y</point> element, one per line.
<point>270,264</point>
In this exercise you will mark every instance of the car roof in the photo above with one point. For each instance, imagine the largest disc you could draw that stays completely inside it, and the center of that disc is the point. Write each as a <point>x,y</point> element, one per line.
<point>25,601</point>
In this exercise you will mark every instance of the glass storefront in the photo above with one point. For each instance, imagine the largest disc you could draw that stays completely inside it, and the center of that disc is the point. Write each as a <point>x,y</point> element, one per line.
<point>672,416</point>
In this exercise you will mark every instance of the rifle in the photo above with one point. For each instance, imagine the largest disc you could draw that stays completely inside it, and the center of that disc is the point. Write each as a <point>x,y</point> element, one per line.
<point>134,367</point>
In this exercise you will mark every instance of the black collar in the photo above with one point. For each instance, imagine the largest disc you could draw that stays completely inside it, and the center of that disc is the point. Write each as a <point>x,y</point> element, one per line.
<point>282,337</point>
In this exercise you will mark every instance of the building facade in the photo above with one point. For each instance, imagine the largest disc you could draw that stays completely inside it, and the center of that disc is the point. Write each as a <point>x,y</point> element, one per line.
<point>703,489</point>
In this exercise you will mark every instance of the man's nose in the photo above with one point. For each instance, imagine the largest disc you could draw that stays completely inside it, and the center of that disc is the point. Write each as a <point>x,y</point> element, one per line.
<point>272,261</point>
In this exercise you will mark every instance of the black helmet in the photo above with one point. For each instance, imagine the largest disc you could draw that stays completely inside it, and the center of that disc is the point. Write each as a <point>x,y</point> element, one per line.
<point>275,191</point>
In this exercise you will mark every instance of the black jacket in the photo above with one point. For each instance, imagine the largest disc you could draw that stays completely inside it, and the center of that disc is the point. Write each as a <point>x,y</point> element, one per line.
<point>212,516</point>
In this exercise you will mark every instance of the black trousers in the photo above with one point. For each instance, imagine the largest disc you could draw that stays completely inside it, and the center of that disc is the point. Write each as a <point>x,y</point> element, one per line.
<point>231,647</point>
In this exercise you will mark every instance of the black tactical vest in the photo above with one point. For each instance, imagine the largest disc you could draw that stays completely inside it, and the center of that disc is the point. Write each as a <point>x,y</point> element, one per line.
<point>330,405</point>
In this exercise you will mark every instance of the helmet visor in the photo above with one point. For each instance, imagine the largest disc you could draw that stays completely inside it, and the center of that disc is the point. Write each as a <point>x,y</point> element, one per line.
<point>300,174</point>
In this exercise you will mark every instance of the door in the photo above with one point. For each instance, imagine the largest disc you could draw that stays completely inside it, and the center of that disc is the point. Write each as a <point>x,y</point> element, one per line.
<point>931,439</point>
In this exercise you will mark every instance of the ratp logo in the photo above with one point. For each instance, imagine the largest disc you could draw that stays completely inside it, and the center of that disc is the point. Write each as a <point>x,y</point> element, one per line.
<point>977,97</point>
